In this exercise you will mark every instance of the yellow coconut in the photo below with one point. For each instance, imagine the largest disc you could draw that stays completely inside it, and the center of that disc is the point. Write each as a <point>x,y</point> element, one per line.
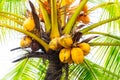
<point>85,48</point>
<point>64,55</point>
<point>77,55</point>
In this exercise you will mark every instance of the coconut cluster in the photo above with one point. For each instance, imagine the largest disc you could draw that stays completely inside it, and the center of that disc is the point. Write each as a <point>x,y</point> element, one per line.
<point>69,51</point>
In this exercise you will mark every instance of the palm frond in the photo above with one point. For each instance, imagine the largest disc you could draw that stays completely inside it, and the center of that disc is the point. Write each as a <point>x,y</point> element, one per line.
<point>10,14</point>
<point>91,71</point>
<point>31,69</point>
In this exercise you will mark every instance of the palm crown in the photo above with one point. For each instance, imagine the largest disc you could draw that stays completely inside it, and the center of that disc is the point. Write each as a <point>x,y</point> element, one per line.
<point>57,28</point>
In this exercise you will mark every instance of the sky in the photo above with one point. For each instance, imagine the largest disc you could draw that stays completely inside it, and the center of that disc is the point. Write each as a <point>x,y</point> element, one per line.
<point>7,56</point>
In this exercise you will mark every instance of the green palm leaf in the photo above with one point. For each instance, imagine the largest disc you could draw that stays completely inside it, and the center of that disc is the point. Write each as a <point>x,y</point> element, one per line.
<point>29,69</point>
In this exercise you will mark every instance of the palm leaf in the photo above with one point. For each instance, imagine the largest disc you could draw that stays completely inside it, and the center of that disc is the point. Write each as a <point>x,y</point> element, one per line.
<point>30,69</point>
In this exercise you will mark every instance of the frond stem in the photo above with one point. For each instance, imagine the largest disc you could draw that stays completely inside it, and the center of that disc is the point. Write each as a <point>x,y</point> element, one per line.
<point>72,20</point>
<point>12,14</point>
<point>105,34</point>
<point>85,30</point>
<point>54,29</point>
<point>45,17</point>
<point>43,43</point>
<point>99,6</point>
<point>11,18</point>
<point>103,44</point>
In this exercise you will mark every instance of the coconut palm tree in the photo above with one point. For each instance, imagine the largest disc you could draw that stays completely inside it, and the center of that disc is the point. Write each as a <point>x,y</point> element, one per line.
<point>54,19</point>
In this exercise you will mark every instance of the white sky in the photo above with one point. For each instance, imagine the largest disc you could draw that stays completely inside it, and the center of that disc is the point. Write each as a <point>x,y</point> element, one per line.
<point>6,56</point>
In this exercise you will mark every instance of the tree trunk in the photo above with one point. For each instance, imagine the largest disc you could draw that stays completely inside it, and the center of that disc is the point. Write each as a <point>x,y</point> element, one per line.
<point>54,71</point>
